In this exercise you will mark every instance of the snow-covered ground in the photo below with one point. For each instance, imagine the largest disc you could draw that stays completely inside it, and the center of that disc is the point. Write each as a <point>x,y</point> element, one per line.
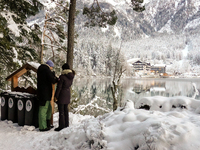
<point>171,123</point>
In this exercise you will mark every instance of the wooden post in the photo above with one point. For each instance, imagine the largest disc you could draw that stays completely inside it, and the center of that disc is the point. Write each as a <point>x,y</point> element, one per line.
<point>52,102</point>
<point>14,83</point>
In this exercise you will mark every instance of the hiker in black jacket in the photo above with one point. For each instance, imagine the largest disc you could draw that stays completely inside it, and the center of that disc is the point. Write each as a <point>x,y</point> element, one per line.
<point>45,79</point>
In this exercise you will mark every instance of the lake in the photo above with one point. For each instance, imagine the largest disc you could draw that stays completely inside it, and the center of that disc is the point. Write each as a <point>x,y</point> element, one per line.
<point>93,95</point>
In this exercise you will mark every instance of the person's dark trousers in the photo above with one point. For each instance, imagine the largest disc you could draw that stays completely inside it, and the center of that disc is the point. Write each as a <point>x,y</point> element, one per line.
<point>63,116</point>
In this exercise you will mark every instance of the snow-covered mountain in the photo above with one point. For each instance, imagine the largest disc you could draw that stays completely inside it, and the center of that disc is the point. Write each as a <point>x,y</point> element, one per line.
<point>163,33</point>
<point>160,16</point>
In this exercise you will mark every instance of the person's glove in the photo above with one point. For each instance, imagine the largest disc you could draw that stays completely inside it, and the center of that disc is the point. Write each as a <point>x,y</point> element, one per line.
<point>55,99</point>
<point>57,79</point>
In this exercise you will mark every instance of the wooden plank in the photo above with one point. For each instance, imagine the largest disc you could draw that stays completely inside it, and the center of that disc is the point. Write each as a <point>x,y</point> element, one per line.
<point>20,73</point>
<point>52,102</point>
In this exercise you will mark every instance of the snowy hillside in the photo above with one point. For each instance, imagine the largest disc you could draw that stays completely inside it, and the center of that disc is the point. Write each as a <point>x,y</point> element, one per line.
<point>160,34</point>
<point>166,32</point>
<point>164,16</point>
<point>171,16</point>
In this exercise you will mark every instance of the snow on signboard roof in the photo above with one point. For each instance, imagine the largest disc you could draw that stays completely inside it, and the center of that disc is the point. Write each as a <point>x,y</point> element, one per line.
<point>28,66</point>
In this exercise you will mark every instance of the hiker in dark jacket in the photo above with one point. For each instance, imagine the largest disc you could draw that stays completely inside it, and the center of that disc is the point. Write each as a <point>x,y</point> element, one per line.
<point>63,95</point>
<point>45,79</point>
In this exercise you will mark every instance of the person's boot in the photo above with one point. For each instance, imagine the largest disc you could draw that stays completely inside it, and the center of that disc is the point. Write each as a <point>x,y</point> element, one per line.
<point>49,124</point>
<point>58,129</point>
<point>43,130</point>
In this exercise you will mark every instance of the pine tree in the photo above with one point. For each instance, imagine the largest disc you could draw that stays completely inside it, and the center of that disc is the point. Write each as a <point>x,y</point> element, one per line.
<point>18,42</point>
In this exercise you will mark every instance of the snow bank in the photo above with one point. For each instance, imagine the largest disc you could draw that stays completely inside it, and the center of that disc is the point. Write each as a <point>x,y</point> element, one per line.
<point>165,104</point>
<point>167,127</point>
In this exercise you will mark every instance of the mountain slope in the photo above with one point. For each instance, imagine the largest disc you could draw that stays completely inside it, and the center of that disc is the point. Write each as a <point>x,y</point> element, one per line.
<point>159,34</point>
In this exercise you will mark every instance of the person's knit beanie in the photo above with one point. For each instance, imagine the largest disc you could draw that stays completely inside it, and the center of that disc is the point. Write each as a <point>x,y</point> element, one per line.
<point>65,66</point>
<point>50,63</point>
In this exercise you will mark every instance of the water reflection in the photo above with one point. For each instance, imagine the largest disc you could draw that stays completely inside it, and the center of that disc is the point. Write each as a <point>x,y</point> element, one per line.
<point>86,90</point>
<point>94,94</point>
<point>162,87</point>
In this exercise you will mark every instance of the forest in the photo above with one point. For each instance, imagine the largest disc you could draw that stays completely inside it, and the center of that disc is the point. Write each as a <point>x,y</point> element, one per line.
<point>102,33</point>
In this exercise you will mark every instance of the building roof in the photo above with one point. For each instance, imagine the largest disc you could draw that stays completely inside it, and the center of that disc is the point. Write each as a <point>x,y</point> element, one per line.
<point>130,61</point>
<point>138,61</point>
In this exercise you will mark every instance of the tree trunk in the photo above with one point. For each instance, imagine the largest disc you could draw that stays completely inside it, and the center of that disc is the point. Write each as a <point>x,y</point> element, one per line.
<point>71,22</point>
<point>114,90</point>
<point>43,36</point>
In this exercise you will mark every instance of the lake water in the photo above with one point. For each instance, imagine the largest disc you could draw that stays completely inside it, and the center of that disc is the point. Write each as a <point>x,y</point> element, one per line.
<point>96,93</point>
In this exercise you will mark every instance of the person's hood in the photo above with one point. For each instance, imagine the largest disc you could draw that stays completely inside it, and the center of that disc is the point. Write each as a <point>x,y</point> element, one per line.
<point>68,73</point>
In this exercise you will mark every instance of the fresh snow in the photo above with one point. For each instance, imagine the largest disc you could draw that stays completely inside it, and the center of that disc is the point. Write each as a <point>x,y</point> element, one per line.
<point>49,4</point>
<point>159,65</point>
<point>114,2</point>
<point>105,29</point>
<point>16,56</point>
<point>34,64</point>
<point>171,123</point>
<point>193,24</point>
<point>11,24</point>
<point>117,32</point>
<point>1,35</point>
<point>158,89</point>
<point>146,2</point>
<point>130,61</point>
<point>166,28</point>
<point>186,51</point>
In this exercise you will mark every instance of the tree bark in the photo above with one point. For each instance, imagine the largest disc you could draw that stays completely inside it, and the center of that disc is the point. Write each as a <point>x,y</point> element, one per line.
<point>43,36</point>
<point>70,44</point>
<point>114,90</point>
